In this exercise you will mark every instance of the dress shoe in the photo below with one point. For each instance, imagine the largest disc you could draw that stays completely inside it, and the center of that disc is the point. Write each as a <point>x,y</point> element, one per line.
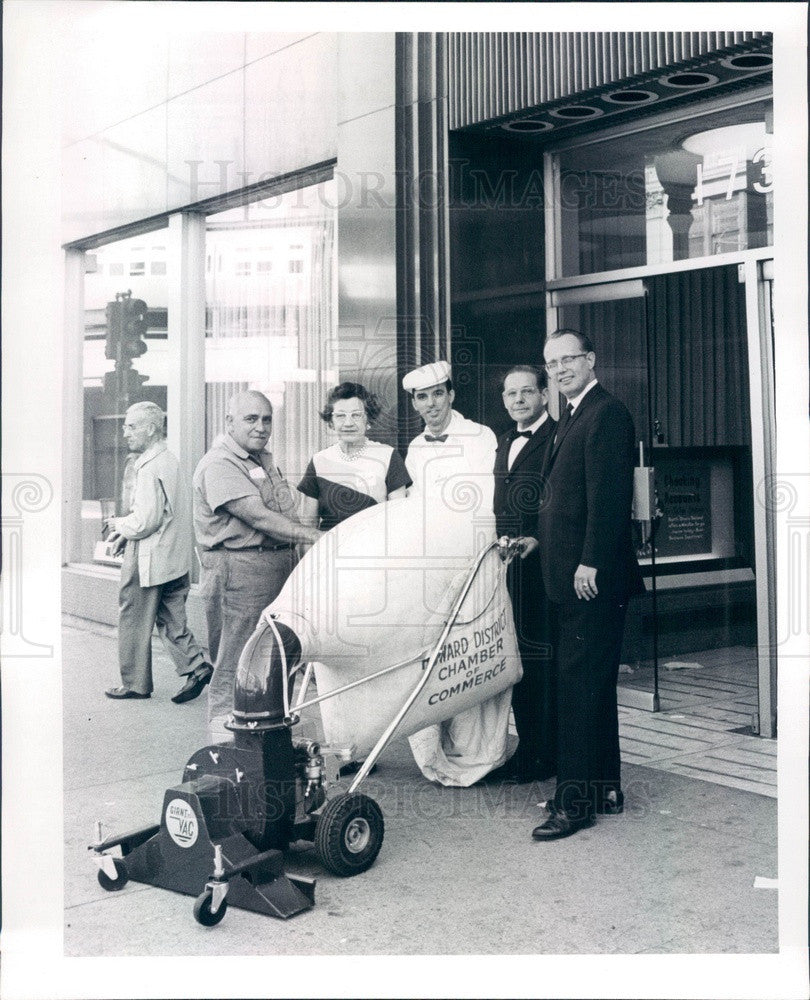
<point>122,692</point>
<point>612,804</point>
<point>507,772</point>
<point>347,770</point>
<point>539,772</point>
<point>558,825</point>
<point>194,684</point>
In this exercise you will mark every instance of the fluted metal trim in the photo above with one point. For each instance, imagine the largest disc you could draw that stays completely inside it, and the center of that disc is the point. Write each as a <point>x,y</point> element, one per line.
<point>423,280</point>
<point>491,74</point>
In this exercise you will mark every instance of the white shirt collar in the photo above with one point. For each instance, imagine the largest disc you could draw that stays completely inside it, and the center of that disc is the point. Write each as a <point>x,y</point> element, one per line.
<point>578,399</point>
<point>451,428</point>
<point>537,424</point>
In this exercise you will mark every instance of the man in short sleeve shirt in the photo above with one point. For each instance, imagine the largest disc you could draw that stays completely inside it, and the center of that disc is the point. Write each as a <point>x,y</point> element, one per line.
<point>247,528</point>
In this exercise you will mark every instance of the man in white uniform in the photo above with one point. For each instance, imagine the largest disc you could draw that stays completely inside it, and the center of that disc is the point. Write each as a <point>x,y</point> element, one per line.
<point>452,453</point>
<point>451,464</point>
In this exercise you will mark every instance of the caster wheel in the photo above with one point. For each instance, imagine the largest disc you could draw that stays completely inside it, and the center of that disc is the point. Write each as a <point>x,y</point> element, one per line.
<point>120,880</point>
<point>202,910</point>
<point>349,834</point>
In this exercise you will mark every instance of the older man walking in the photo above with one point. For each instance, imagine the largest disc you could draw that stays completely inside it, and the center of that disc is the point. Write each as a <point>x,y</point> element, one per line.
<point>155,537</point>
<point>246,521</point>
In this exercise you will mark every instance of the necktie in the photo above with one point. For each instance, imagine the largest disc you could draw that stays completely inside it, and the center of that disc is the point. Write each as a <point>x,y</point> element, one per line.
<point>439,437</point>
<point>565,416</point>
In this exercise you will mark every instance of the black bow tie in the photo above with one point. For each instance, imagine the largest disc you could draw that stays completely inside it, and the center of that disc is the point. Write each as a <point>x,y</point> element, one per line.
<point>439,437</point>
<point>523,434</point>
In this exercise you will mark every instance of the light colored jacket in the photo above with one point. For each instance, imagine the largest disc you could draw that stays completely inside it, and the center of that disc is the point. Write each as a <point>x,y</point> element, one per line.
<point>160,520</point>
<point>458,470</point>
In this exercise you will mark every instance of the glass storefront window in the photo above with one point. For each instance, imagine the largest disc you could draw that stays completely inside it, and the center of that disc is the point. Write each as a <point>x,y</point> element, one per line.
<point>270,288</point>
<point>683,190</point>
<point>124,362</point>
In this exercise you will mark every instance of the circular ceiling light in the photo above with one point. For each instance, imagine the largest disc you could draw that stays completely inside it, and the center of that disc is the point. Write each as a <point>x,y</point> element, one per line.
<point>746,137</point>
<point>528,125</point>
<point>749,61</point>
<point>688,81</point>
<point>630,97</point>
<point>576,112</point>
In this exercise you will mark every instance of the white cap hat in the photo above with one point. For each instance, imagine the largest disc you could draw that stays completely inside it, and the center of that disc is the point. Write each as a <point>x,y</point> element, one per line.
<point>422,378</point>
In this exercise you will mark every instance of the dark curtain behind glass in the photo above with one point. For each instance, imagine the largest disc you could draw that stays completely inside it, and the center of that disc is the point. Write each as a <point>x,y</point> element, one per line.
<point>617,330</point>
<point>699,348</point>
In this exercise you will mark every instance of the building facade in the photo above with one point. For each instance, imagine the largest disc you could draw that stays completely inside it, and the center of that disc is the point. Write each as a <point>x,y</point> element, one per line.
<point>283,212</point>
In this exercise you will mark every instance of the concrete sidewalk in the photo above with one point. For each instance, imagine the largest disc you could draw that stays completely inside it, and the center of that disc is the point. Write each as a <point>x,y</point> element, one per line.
<point>458,872</point>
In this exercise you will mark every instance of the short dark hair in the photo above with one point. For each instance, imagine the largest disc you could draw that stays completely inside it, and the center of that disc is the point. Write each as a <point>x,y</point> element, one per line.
<point>351,390</point>
<point>539,374</point>
<point>564,331</point>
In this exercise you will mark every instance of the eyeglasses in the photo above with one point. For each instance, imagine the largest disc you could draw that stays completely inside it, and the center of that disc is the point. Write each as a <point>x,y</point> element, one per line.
<point>356,416</point>
<point>565,361</point>
<point>513,394</point>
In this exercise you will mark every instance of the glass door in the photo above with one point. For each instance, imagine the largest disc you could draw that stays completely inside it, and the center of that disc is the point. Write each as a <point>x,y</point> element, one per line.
<point>674,348</point>
<point>759,297</point>
<point>614,317</point>
<point>705,552</point>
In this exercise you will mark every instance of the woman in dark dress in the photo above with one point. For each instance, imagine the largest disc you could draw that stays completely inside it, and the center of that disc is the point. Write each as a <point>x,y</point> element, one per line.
<point>352,474</point>
<point>355,472</point>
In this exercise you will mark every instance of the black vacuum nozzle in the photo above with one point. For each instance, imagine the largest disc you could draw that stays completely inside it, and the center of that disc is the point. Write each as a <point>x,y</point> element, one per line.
<point>258,695</point>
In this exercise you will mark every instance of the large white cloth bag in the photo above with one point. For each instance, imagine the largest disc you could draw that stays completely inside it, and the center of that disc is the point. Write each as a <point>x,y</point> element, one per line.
<point>375,592</point>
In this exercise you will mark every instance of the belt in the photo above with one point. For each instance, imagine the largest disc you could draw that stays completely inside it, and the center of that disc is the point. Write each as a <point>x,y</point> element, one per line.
<point>280,547</point>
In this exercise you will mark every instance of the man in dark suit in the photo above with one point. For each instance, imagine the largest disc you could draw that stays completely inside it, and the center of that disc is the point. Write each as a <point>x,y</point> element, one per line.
<point>590,572</point>
<point>518,489</point>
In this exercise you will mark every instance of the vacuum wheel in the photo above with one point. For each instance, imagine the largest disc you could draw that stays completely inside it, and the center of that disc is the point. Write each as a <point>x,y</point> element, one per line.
<point>120,880</point>
<point>349,834</point>
<point>202,909</point>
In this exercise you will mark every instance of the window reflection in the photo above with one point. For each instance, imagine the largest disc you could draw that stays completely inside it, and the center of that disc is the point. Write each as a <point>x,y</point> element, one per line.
<point>120,366</point>
<point>270,274</point>
<point>680,191</point>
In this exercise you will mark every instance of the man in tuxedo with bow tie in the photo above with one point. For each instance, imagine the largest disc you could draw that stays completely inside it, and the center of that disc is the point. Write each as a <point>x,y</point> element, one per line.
<point>518,490</point>
<point>589,572</point>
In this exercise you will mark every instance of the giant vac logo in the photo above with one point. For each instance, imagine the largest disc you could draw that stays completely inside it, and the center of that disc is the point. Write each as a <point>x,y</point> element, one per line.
<point>181,823</point>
